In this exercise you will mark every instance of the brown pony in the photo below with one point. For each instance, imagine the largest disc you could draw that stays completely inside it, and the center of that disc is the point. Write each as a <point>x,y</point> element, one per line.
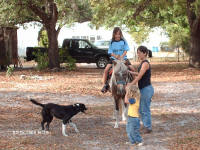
<point>120,77</point>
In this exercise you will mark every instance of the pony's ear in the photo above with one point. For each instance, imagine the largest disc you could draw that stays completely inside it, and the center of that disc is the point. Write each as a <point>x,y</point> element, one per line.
<point>114,62</point>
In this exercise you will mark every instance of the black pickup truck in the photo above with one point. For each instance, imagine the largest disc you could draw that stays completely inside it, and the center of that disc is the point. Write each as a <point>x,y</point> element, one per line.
<point>80,49</point>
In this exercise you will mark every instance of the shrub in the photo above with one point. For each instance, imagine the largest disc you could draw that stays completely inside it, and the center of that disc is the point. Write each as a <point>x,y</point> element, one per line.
<point>42,60</point>
<point>9,71</point>
<point>43,38</point>
<point>67,59</point>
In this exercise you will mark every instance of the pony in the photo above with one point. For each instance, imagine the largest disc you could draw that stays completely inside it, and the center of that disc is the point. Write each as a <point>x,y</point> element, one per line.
<point>119,79</point>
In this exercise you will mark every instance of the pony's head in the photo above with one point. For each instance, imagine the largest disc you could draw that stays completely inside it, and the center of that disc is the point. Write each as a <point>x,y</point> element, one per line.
<point>119,77</point>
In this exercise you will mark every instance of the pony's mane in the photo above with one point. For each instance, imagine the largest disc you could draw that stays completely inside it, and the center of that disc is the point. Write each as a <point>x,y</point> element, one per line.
<point>119,65</point>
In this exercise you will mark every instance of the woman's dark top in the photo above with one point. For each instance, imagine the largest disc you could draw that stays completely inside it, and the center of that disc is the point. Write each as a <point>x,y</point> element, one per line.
<point>146,78</point>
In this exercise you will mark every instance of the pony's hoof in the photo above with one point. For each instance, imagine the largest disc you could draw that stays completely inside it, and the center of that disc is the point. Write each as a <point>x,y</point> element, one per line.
<point>124,119</point>
<point>116,126</point>
<point>65,135</point>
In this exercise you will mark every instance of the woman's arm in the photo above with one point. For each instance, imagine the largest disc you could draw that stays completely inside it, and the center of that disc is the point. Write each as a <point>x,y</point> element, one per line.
<point>144,68</point>
<point>133,73</point>
<point>126,99</point>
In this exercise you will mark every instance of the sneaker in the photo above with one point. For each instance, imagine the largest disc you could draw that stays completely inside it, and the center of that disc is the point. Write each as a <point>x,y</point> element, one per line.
<point>138,144</point>
<point>128,143</point>
<point>135,144</point>
<point>105,88</point>
<point>147,131</point>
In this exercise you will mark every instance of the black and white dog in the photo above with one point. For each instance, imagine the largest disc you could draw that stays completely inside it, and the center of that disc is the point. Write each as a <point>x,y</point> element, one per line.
<point>64,113</point>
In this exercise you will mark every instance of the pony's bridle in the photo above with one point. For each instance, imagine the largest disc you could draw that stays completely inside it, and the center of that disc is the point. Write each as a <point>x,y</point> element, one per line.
<point>121,82</point>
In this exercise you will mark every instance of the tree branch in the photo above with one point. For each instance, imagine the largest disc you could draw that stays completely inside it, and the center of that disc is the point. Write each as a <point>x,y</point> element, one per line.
<point>141,7</point>
<point>38,11</point>
<point>74,6</point>
<point>53,11</point>
<point>190,13</point>
<point>59,28</point>
<point>82,17</point>
<point>194,21</point>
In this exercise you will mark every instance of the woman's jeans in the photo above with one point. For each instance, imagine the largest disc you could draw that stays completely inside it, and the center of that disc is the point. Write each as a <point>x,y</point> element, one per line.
<point>146,94</point>
<point>133,130</point>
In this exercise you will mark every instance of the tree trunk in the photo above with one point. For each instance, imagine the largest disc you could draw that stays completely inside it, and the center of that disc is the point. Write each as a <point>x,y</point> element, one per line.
<point>194,60</point>
<point>194,22</point>
<point>49,19</point>
<point>53,51</point>
<point>178,53</point>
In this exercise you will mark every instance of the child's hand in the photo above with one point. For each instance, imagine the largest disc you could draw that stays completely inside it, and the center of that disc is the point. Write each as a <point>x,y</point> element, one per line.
<point>121,58</point>
<point>118,57</point>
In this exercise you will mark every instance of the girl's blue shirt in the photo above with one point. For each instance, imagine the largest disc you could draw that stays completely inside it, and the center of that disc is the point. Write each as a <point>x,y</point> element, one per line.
<point>118,48</point>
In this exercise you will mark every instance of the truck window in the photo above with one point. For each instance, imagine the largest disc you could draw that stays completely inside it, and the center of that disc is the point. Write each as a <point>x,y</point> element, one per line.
<point>66,44</point>
<point>75,44</point>
<point>84,44</point>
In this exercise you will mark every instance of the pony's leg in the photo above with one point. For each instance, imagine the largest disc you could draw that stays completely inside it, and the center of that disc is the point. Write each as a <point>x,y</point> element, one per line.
<point>114,109</point>
<point>117,119</point>
<point>124,111</point>
<point>116,101</point>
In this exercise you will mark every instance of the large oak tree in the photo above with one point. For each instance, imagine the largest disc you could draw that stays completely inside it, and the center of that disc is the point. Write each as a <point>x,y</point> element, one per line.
<point>53,14</point>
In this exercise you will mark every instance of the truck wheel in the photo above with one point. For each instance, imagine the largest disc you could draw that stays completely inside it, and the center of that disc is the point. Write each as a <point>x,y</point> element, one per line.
<point>102,62</point>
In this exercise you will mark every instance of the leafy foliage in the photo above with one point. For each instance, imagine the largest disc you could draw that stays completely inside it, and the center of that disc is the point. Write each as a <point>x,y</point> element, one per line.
<point>21,11</point>
<point>9,71</point>
<point>140,34</point>
<point>139,16</point>
<point>127,15</point>
<point>43,38</point>
<point>179,37</point>
<point>41,59</point>
<point>67,59</point>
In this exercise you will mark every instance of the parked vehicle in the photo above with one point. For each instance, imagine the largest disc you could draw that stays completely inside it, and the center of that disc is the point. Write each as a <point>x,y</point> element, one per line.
<point>80,49</point>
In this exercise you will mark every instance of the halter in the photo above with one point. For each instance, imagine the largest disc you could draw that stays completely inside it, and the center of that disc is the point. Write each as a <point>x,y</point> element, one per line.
<point>121,82</point>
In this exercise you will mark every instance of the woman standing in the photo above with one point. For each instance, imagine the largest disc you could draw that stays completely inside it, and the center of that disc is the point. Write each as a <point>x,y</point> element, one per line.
<point>143,79</point>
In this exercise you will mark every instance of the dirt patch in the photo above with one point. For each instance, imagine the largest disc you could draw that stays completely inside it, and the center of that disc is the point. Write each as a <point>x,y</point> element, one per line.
<point>175,110</point>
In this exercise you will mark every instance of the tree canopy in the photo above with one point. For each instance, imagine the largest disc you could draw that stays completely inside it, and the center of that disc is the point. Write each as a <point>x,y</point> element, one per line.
<point>182,16</point>
<point>22,11</point>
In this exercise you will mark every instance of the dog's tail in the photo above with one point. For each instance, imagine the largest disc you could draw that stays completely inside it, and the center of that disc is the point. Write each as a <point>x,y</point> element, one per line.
<point>36,103</point>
